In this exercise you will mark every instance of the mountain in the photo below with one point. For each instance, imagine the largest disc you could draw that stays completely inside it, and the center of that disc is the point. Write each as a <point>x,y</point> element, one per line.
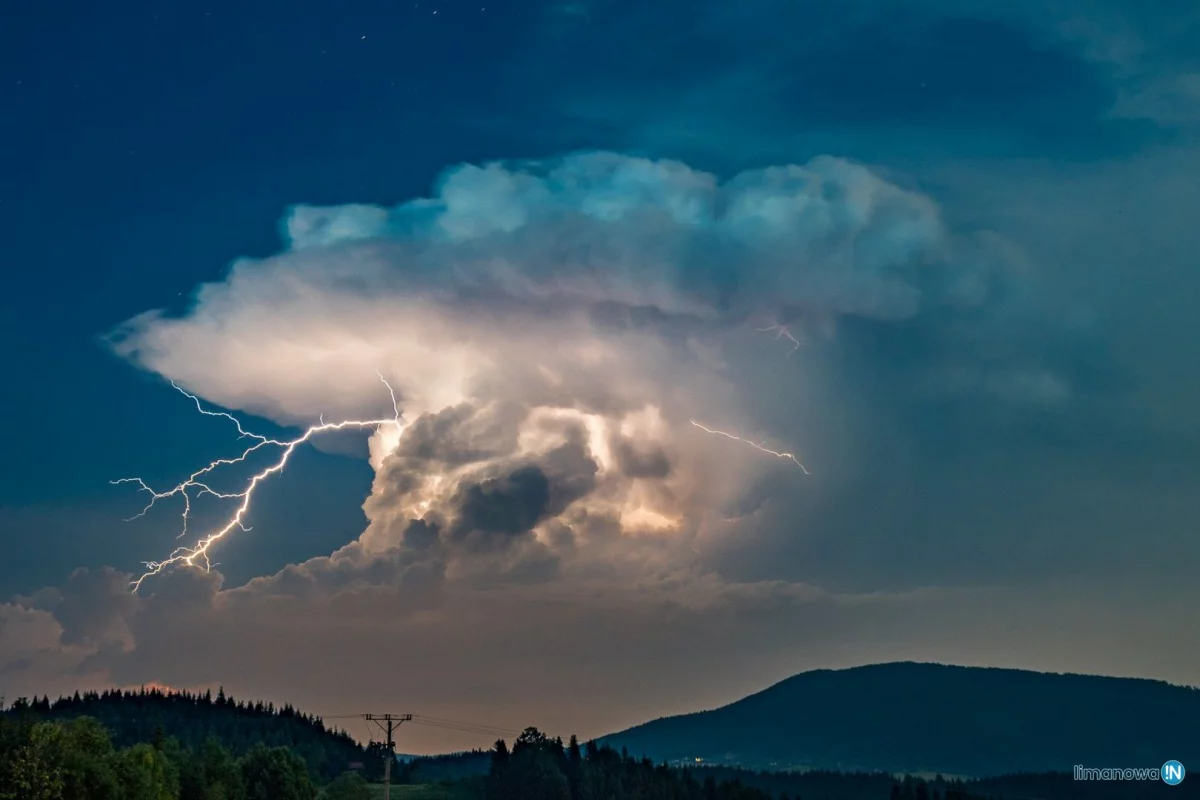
<point>930,718</point>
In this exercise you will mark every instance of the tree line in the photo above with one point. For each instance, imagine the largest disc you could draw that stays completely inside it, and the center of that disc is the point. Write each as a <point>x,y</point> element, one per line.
<point>77,760</point>
<point>153,745</point>
<point>132,717</point>
<point>541,768</point>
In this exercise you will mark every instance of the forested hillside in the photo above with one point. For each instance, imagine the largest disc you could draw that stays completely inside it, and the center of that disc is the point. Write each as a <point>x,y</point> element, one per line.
<point>147,715</point>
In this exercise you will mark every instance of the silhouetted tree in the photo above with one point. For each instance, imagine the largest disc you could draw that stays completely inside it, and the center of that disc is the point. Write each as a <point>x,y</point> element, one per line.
<point>275,773</point>
<point>349,786</point>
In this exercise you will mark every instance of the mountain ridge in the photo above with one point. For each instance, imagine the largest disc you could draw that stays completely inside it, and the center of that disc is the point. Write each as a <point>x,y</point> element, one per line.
<point>910,716</point>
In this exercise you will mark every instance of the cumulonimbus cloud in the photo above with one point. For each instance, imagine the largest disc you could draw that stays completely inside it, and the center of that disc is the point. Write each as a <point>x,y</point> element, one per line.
<point>551,329</point>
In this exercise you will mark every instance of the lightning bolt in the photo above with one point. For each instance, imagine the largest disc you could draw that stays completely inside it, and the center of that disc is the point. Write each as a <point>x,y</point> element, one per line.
<point>789,456</point>
<point>782,332</point>
<point>195,486</point>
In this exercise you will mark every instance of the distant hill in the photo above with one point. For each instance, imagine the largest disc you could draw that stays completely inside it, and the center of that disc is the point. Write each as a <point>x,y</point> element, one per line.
<point>138,716</point>
<point>916,718</point>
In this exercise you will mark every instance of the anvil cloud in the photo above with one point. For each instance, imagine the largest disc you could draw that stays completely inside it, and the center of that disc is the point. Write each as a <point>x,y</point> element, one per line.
<point>551,328</point>
<point>593,250</point>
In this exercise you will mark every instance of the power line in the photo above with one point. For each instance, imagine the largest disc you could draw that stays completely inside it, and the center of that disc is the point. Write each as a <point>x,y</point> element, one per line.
<point>441,722</point>
<point>475,731</point>
<point>466,727</point>
<point>430,718</point>
<point>388,724</point>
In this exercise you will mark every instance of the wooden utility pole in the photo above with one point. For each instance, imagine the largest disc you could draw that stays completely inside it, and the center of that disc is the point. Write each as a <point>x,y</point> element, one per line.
<point>388,724</point>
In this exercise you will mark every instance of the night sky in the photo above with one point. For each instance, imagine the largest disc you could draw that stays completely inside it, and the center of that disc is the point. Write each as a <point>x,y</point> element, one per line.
<point>943,252</point>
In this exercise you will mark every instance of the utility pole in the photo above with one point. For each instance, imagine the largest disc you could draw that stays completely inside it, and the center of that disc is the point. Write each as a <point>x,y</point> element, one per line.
<point>388,723</point>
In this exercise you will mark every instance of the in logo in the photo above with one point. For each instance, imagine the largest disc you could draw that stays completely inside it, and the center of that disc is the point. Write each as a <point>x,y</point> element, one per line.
<point>1172,773</point>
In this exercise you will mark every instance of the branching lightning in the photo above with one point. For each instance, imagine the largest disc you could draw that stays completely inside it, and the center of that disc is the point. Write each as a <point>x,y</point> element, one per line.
<point>789,456</point>
<point>195,486</point>
<point>782,332</point>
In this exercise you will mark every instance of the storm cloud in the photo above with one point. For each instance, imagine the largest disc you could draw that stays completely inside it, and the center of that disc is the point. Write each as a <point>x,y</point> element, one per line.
<point>553,330</point>
<point>971,333</point>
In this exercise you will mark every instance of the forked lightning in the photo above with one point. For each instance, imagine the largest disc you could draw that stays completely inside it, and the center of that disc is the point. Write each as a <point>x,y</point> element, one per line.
<point>782,332</point>
<point>195,486</point>
<point>791,457</point>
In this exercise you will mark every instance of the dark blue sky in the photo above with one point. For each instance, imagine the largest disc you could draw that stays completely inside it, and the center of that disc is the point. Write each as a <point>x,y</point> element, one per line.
<point>146,146</point>
<point>144,150</point>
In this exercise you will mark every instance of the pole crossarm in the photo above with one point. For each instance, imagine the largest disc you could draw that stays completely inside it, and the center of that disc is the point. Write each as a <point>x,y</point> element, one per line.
<point>388,723</point>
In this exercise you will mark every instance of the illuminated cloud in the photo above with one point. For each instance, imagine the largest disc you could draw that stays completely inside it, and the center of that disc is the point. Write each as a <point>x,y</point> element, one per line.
<point>446,294</point>
<point>554,330</point>
<point>987,388</point>
<point>562,337</point>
